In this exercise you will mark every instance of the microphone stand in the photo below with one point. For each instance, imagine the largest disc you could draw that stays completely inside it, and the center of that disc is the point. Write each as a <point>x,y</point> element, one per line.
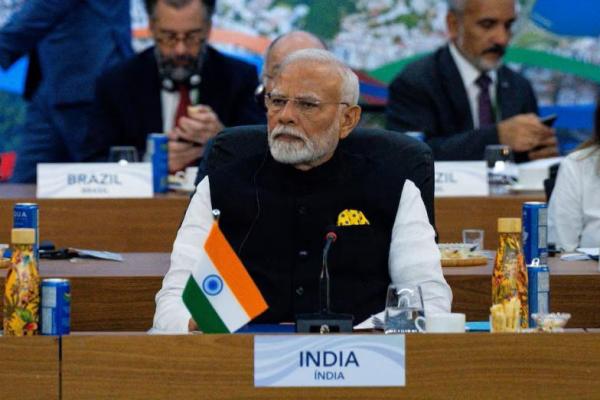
<point>324,321</point>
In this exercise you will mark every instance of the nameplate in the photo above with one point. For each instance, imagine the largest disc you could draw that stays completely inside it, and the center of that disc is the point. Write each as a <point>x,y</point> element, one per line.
<point>329,360</point>
<point>461,178</point>
<point>94,180</point>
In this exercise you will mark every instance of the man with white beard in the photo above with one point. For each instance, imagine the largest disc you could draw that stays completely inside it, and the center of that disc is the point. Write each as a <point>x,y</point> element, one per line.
<point>276,207</point>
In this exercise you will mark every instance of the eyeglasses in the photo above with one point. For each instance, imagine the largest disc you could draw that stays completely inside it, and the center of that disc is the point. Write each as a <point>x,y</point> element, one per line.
<point>189,39</point>
<point>277,103</point>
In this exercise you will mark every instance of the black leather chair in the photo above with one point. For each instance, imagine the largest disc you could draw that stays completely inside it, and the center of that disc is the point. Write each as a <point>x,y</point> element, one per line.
<point>397,151</point>
<point>551,180</point>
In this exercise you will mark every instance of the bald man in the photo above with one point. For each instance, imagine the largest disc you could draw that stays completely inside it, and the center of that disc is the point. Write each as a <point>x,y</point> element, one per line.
<point>284,45</point>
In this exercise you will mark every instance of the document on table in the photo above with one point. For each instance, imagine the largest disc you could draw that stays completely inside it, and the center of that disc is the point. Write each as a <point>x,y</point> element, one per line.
<point>583,253</point>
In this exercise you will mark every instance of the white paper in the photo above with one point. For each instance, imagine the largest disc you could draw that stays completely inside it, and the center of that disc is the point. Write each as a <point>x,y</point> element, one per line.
<point>590,251</point>
<point>461,178</point>
<point>101,255</point>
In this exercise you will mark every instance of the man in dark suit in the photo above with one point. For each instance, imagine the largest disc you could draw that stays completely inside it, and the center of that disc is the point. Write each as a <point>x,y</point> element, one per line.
<point>276,204</point>
<point>462,98</point>
<point>73,41</point>
<point>182,87</point>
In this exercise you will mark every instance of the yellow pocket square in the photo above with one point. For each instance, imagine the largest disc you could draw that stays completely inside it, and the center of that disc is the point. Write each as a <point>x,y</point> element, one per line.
<point>352,217</point>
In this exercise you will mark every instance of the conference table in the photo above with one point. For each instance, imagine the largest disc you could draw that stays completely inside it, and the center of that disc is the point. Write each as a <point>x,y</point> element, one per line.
<point>150,225</point>
<point>438,366</point>
<point>109,355</point>
<point>119,296</point>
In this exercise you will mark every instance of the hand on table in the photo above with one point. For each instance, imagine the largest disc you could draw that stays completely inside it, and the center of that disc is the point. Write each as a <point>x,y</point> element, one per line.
<point>182,154</point>
<point>187,139</point>
<point>525,132</point>
<point>546,149</point>
<point>201,124</point>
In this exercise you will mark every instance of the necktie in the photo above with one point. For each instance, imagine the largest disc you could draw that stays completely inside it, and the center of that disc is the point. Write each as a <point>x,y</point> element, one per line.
<point>486,114</point>
<point>184,102</point>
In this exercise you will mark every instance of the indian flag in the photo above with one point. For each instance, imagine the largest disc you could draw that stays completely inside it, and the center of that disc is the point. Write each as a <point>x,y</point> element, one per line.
<point>220,294</point>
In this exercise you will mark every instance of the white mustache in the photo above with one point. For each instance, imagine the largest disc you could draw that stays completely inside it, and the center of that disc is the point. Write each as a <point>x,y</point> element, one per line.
<point>286,130</point>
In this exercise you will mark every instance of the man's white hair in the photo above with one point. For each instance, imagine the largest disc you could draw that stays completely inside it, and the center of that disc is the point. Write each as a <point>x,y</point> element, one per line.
<point>457,6</point>
<point>350,87</point>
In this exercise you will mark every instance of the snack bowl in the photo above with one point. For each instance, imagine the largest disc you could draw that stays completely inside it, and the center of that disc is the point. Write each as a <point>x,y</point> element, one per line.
<point>552,322</point>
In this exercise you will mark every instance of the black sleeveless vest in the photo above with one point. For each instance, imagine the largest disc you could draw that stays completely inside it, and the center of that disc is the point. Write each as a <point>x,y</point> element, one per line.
<point>276,217</point>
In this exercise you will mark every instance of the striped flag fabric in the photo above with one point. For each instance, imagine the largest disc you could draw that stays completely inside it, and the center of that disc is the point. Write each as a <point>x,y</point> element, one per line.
<point>220,294</point>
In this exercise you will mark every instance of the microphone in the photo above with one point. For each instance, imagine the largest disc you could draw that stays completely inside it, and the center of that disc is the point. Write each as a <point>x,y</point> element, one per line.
<point>324,321</point>
<point>330,237</point>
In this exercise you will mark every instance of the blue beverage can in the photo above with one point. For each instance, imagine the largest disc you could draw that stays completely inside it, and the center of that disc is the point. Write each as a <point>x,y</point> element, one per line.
<point>27,215</point>
<point>538,286</point>
<point>157,149</point>
<point>55,311</point>
<point>535,231</point>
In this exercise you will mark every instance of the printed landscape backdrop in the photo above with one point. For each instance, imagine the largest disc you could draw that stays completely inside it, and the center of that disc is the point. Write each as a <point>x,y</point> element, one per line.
<point>556,45</point>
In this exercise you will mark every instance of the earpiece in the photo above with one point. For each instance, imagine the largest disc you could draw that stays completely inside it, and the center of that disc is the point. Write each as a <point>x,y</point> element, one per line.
<point>169,85</point>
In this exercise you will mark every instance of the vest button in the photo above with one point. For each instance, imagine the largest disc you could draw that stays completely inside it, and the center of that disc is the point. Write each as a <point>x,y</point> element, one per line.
<point>299,290</point>
<point>303,255</point>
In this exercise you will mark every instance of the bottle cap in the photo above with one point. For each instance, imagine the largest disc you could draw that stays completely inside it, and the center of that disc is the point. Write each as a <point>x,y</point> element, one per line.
<point>509,225</point>
<point>23,236</point>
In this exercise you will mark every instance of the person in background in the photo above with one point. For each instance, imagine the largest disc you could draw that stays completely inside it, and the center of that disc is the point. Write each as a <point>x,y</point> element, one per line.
<point>574,209</point>
<point>182,86</point>
<point>74,41</point>
<point>276,206</point>
<point>462,97</point>
<point>281,47</point>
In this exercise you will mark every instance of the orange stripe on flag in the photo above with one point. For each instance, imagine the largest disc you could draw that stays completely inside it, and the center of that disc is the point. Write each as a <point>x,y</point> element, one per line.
<point>234,273</point>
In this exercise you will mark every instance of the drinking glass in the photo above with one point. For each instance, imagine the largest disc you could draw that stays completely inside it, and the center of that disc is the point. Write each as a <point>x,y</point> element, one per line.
<point>122,154</point>
<point>502,172</point>
<point>404,311</point>
<point>473,237</point>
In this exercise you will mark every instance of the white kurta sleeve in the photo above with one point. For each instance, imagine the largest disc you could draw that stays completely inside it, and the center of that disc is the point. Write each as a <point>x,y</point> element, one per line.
<point>565,213</point>
<point>171,314</point>
<point>414,256</point>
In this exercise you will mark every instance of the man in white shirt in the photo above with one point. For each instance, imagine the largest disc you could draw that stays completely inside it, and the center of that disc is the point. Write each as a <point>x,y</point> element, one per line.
<point>276,207</point>
<point>463,98</point>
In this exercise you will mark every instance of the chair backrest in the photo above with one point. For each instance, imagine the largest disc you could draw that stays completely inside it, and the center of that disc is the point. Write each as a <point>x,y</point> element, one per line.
<point>396,152</point>
<point>551,180</point>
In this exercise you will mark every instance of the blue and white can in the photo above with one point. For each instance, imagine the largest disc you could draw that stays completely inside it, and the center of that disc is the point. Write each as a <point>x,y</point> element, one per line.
<point>27,215</point>
<point>55,312</point>
<point>538,278</point>
<point>535,231</point>
<point>157,150</point>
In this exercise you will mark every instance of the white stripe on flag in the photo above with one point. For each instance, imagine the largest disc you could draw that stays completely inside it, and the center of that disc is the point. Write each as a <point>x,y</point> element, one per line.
<point>225,304</point>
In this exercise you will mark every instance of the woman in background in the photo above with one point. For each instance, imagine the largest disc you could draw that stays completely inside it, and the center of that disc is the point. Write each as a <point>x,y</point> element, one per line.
<point>574,210</point>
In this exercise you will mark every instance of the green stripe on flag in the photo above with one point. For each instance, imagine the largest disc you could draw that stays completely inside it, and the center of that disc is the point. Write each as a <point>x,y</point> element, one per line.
<point>202,311</point>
